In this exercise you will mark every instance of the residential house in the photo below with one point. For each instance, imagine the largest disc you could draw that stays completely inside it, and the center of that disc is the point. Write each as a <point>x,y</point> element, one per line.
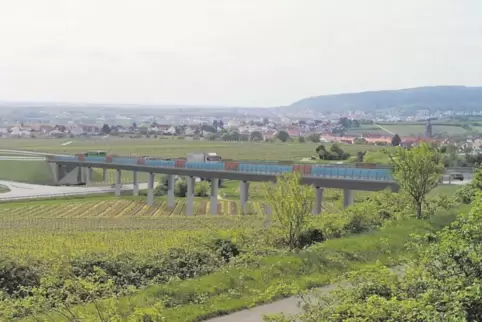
<point>192,130</point>
<point>269,135</point>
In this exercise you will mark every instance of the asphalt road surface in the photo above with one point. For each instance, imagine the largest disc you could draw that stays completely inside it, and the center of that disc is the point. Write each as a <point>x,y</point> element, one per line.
<point>26,190</point>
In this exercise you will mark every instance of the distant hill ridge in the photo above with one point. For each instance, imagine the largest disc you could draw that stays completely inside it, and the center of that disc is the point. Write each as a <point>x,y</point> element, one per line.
<point>429,97</point>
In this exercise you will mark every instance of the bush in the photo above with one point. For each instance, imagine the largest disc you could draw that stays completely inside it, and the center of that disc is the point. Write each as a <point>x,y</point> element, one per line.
<point>202,189</point>
<point>465,194</point>
<point>225,248</point>
<point>180,188</point>
<point>14,277</point>
<point>310,237</point>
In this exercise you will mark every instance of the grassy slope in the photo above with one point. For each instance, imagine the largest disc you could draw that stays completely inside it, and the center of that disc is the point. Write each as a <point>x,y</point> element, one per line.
<point>274,277</point>
<point>37,172</point>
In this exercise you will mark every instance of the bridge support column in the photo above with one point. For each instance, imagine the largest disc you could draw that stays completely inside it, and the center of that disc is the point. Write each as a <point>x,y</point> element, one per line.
<point>214,196</point>
<point>150,189</point>
<point>348,198</point>
<point>171,182</point>
<point>190,196</point>
<point>104,176</point>
<point>135,184</point>
<point>56,172</point>
<point>244,193</point>
<point>88,176</point>
<point>118,183</point>
<point>318,201</point>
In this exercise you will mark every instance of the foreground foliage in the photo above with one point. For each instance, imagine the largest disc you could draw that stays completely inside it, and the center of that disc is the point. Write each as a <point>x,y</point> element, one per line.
<point>441,282</point>
<point>93,259</point>
<point>251,279</point>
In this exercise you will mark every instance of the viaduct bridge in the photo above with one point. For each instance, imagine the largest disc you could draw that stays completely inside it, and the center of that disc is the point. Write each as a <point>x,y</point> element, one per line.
<point>78,168</point>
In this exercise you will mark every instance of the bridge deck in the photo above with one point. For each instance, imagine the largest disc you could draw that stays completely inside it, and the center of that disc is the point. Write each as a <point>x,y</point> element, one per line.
<point>364,179</point>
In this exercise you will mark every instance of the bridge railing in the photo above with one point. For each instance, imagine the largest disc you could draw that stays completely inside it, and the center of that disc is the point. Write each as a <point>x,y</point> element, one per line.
<point>256,168</point>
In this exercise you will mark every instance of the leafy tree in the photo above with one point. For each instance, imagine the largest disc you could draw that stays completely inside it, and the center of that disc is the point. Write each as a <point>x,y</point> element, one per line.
<point>396,140</point>
<point>418,171</point>
<point>292,203</point>
<point>243,137</point>
<point>202,189</point>
<point>301,139</point>
<point>180,188</point>
<point>208,128</point>
<point>315,138</point>
<point>210,137</point>
<point>105,129</point>
<point>283,136</point>
<point>256,136</point>
<point>231,136</point>
<point>134,125</point>
<point>361,156</point>
<point>360,141</point>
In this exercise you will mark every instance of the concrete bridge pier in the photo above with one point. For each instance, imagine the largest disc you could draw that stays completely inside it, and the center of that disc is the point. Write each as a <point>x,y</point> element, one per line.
<point>171,182</point>
<point>88,176</point>
<point>135,183</point>
<point>56,171</point>
<point>150,189</point>
<point>244,193</point>
<point>104,176</point>
<point>190,196</point>
<point>318,200</point>
<point>214,196</point>
<point>118,183</point>
<point>348,197</point>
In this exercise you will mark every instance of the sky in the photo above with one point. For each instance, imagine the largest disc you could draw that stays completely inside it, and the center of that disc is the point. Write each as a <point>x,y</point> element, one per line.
<point>232,52</point>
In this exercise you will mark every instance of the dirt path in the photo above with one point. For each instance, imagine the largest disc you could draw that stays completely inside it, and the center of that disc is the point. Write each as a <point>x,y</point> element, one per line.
<point>288,306</point>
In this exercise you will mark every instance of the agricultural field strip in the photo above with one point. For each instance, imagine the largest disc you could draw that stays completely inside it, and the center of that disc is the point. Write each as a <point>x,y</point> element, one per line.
<point>119,209</point>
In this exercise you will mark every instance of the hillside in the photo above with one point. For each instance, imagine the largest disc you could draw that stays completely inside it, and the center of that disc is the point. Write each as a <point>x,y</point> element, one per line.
<point>433,98</point>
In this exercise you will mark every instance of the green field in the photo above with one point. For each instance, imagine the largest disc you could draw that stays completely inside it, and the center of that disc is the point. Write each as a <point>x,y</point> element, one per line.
<point>178,148</point>
<point>419,130</point>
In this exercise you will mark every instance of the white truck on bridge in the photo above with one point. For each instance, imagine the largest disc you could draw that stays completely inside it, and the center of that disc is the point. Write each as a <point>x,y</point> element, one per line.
<point>203,157</point>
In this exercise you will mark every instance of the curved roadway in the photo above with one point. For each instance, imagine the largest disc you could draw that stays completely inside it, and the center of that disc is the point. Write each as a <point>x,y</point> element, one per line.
<point>27,191</point>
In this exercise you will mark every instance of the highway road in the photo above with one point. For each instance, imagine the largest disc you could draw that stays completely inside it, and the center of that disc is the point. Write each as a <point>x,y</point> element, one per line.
<point>28,191</point>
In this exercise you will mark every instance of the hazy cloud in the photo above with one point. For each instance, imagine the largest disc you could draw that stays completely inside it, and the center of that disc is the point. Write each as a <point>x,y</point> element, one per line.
<point>243,52</point>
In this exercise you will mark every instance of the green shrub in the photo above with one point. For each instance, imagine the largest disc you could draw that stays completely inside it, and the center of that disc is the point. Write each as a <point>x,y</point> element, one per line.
<point>465,194</point>
<point>310,237</point>
<point>14,277</point>
<point>180,188</point>
<point>202,189</point>
<point>225,248</point>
